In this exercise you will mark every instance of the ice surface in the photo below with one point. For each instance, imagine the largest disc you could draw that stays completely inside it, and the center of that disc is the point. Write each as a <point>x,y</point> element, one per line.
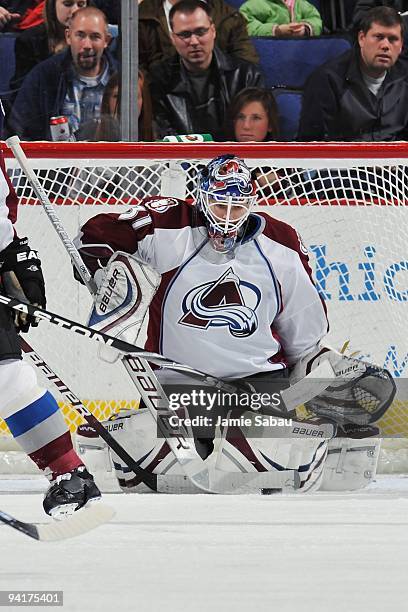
<point>200,553</point>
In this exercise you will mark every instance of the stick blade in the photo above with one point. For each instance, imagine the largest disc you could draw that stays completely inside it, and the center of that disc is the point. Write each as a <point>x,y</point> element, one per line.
<point>79,523</point>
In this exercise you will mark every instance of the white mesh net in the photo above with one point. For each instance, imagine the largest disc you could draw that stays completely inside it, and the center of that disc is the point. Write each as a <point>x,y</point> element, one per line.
<point>351,211</point>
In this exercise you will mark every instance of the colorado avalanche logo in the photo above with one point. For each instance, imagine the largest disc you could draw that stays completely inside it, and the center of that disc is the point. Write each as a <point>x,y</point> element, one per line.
<point>225,302</point>
<point>161,205</point>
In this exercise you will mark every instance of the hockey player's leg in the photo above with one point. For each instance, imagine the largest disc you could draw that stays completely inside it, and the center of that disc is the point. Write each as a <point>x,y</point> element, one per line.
<point>357,398</point>
<point>35,421</point>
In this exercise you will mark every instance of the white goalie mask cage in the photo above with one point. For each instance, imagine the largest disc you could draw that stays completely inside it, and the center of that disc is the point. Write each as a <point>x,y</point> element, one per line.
<point>225,195</point>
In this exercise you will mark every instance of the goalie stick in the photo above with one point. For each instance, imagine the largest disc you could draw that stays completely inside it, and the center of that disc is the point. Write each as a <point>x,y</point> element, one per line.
<point>79,523</point>
<point>162,484</point>
<point>197,472</point>
<point>139,369</point>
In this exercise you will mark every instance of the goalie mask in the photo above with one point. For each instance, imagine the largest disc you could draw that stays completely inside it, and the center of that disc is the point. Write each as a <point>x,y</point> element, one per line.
<point>225,195</point>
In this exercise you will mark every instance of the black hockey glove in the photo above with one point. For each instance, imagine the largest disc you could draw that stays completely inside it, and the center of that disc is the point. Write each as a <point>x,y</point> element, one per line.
<point>24,262</point>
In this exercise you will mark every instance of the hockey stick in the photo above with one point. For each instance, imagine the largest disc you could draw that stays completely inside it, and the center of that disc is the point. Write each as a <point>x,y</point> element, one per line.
<point>137,356</point>
<point>235,483</point>
<point>79,523</point>
<point>162,484</point>
<point>148,478</point>
<point>13,288</point>
<point>139,370</point>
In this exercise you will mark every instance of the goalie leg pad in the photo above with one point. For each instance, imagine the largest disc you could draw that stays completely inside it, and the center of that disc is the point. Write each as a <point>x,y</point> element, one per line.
<point>136,432</point>
<point>351,464</point>
<point>300,446</point>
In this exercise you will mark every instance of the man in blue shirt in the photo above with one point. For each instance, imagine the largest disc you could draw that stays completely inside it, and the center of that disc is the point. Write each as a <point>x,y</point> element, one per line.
<point>70,83</point>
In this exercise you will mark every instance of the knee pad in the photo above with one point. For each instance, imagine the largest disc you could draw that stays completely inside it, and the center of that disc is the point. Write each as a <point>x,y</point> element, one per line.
<point>18,387</point>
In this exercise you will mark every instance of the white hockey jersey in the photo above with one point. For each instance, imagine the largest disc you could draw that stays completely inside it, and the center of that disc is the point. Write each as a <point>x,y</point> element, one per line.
<point>230,317</point>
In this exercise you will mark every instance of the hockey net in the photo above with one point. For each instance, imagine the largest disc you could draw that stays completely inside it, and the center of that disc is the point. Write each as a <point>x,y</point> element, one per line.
<point>349,203</point>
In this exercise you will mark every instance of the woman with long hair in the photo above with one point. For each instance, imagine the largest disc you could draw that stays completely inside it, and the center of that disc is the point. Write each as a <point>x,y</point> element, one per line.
<point>108,127</point>
<point>38,43</point>
<point>103,182</point>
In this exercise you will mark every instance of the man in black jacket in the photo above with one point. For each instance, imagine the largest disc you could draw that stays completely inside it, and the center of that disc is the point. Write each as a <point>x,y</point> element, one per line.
<point>363,94</point>
<point>191,92</point>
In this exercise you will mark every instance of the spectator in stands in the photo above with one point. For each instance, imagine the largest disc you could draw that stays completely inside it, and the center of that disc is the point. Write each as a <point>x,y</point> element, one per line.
<point>155,41</point>
<point>124,181</point>
<point>19,15</point>
<point>37,44</point>
<point>192,91</point>
<point>290,18</point>
<point>363,94</point>
<point>253,116</point>
<point>107,126</point>
<point>70,83</point>
<point>362,6</point>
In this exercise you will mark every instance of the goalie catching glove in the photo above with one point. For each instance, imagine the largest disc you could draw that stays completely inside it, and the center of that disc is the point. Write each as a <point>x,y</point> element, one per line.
<point>20,259</point>
<point>360,392</point>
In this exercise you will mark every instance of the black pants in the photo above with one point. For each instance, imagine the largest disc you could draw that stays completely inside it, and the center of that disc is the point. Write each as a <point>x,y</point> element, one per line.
<point>9,339</point>
<point>262,383</point>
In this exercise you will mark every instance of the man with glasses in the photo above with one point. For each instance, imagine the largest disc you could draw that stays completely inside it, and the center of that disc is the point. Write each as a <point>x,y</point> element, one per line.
<point>192,91</point>
<point>154,31</point>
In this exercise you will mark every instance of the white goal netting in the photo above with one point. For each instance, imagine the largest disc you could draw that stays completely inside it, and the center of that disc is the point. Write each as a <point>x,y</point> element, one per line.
<point>348,202</point>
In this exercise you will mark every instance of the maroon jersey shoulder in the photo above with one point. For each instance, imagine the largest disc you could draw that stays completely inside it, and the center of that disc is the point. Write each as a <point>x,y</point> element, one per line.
<point>167,212</point>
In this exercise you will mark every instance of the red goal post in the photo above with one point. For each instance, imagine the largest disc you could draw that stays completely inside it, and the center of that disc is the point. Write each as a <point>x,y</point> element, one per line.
<point>347,200</point>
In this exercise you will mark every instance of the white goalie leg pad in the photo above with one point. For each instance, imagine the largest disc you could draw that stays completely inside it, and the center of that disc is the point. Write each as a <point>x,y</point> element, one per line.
<point>299,446</point>
<point>125,291</point>
<point>18,386</point>
<point>136,432</point>
<point>351,464</point>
